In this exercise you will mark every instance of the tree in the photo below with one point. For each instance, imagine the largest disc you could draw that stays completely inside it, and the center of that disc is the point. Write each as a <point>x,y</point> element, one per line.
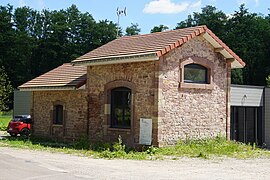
<point>133,30</point>
<point>105,31</point>
<point>268,81</point>
<point>159,28</point>
<point>5,90</point>
<point>34,42</point>
<point>250,46</point>
<point>210,16</point>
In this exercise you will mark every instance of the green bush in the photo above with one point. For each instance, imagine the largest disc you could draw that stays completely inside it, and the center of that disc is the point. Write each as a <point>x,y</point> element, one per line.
<point>4,120</point>
<point>82,143</point>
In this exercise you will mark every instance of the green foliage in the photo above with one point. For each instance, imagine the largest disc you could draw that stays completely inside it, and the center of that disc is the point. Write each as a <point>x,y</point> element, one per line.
<point>268,81</point>
<point>5,90</point>
<point>210,16</point>
<point>133,30</point>
<point>4,120</point>
<point>34,42</point>
<point>159,28</point>
<point>118,150</point>
<point>251,47</point>
<point>195,148</point>
<point>213,147</point>
<point>82,143</point>
<point>237,76</point>
<point>151,150</point>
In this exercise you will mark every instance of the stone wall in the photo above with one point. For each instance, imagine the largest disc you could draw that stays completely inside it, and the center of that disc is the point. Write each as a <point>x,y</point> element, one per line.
<point>178,110</point>
<point>141,79</point>
<point>75,114</point>
<point>191,112</point>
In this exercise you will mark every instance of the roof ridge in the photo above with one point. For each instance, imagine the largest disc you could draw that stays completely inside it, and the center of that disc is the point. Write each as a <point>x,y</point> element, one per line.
<point>163,32</point>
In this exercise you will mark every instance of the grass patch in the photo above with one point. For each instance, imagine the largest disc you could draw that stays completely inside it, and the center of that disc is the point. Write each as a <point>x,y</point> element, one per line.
<point>215,147</point>
<point>4,120</point>
<point>204,148</point>
<point>82,147</point>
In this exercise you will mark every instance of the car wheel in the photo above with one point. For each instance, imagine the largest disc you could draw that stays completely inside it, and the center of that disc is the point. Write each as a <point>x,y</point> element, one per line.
<point>25,132</point>
<point>13,134</point>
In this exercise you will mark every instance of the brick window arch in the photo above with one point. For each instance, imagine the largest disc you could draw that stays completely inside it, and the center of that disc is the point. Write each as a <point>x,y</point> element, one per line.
<point>196,72</point>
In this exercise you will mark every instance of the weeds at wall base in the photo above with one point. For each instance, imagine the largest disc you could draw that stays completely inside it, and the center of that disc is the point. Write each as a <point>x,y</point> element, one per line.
<point>208,148</point>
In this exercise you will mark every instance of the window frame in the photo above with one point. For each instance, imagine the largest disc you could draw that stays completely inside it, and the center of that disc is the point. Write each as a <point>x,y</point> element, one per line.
<point>209,65</point>
<point>122,106</point>
<point>107,104</point>
<point>57,114</point>
<point>195,66</point>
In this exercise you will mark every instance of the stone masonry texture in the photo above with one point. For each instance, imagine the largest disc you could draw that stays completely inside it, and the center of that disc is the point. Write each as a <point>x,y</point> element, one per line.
<point>143,77</point>
<point>177,112</point>
<point>191,112</point>
<point>75,114</point>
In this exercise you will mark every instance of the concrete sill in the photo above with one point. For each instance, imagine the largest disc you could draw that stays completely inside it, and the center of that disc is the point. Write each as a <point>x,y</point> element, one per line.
<point>57,125</point>
<point>196,86</point>
<point>119,129</point>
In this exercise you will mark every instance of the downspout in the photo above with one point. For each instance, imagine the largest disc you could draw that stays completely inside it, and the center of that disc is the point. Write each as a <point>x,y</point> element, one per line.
<point>228,94</point>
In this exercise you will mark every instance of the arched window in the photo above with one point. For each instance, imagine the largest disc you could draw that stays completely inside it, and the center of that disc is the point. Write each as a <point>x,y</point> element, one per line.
<point>120,107</point>
<point>58,114</point>
<point>195,73</point>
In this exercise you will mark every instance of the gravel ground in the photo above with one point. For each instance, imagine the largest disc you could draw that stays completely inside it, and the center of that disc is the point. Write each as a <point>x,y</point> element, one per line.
<point>26,164</point>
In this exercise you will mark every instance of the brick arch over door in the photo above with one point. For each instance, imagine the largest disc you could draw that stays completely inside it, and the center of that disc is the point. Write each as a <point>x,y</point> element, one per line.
<point>107,101</point>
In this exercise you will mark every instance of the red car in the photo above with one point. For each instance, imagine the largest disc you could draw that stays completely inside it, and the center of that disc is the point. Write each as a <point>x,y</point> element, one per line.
<point>20,125</point>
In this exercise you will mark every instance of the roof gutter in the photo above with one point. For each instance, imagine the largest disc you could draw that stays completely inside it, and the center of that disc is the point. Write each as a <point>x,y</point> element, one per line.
<point>47,88</point>
<point>152,56</point>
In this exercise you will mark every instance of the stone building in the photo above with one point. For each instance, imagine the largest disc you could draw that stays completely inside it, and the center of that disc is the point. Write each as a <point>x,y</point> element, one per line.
<point>150,89</point>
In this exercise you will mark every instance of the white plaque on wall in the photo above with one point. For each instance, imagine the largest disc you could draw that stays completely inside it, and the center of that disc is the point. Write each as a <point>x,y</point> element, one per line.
<point>145,131</point>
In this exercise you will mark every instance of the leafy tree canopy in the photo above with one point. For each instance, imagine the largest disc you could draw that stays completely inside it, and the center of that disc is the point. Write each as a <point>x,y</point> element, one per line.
<point>133,30</point>
<point>159,28</point>
<point>5,90</point>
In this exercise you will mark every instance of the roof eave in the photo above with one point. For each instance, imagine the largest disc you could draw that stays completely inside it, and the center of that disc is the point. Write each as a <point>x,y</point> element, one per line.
<point>152,56</point>
<point>47,88</point>
<point>225,51</point>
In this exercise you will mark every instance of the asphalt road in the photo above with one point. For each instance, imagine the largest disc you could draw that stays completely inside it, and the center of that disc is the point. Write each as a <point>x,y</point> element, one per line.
<point>38,165</point>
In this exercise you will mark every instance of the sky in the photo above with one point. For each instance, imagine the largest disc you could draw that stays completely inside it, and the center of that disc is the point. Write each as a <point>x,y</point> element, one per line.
<point>147,13</point>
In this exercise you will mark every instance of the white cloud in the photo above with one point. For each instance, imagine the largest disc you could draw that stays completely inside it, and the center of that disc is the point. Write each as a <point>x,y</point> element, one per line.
<point>169,7</point>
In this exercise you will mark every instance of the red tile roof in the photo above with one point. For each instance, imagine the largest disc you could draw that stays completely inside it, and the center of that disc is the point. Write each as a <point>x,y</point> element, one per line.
<point>157,43</point>
<point>64,76</point>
